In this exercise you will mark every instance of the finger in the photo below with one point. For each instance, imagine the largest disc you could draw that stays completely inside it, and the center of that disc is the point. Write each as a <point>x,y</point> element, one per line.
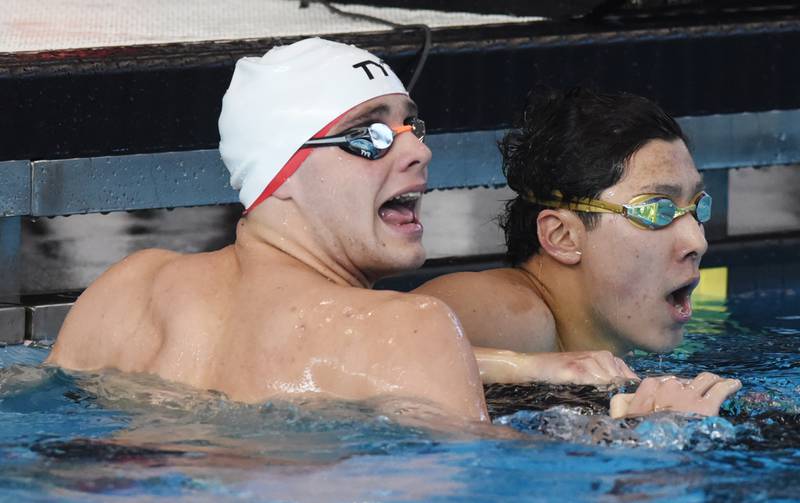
<point>703,383</point>
<point>718,393</point>
<point>648,385</point>
<point>619,405</point>
<point>625,370</point>
<point>643,401</point>
<point>671,383</point>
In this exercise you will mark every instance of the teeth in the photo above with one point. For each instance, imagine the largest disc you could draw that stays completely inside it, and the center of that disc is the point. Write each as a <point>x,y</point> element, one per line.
<point>407,197</point>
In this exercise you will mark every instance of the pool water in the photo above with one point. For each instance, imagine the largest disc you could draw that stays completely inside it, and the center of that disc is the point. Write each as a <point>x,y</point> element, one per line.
<point>109,437</point>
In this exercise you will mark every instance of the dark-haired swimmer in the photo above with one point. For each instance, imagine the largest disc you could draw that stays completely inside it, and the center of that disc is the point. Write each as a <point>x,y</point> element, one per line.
<point>604,237</point>
<point>324,145</point>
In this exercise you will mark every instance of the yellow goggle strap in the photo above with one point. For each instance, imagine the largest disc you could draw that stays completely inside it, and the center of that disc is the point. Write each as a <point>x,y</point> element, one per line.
<point>641,215</point>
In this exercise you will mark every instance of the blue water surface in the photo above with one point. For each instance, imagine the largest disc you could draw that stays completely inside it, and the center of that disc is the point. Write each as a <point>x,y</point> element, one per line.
<point>109,436</point>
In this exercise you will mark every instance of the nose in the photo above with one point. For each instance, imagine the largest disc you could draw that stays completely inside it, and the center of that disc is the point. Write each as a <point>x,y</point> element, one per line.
<point>410,152</point>
<point>691,241</point>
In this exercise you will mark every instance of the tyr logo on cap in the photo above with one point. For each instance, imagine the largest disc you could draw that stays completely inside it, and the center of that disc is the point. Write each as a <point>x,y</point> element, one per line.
<point>364,65</point>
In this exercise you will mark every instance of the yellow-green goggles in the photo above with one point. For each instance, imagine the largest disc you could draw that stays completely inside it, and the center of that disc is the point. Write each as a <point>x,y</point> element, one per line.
<point>649,211</point>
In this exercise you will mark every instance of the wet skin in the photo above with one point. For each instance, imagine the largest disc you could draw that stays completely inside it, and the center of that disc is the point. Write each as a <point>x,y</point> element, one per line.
<point>628,274</point>
<point>286,309</point>
<point>608,288</point>
<point>600,292</point>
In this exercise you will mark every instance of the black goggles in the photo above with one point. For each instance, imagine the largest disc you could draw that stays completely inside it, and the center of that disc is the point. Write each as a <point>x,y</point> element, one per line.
<point>371,142</point>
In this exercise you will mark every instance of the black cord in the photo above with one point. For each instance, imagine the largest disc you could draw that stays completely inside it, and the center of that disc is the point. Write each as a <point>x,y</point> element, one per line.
<point>426,45</point>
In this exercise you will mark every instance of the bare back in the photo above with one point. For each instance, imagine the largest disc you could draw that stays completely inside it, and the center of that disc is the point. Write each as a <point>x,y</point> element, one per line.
<point>274,329</point>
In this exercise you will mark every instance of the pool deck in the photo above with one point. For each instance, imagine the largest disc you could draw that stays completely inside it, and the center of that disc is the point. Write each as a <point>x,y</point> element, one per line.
<point>54,25</point>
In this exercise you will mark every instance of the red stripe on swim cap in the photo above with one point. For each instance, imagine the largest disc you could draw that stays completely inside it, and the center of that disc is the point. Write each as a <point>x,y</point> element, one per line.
<point>290,167</point>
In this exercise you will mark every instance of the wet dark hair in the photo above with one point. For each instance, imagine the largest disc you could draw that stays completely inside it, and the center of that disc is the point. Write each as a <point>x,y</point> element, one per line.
<point>577,142</point>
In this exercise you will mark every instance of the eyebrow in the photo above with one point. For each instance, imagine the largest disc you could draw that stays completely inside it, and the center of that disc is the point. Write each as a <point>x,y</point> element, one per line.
<point>375,114</point>
<point>674,191</point>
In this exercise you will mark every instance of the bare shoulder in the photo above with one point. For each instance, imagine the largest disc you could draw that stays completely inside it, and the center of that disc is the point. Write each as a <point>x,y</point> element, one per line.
<point>113,307</point>
<point>425,329</point>
<point>475,287</point>
<point>417,311</point>
<point>128,281</point>
<point>498,308</point>
<point>425,339</point>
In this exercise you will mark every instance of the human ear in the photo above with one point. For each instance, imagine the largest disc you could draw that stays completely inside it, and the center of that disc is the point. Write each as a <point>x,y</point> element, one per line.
<point>560,235</point>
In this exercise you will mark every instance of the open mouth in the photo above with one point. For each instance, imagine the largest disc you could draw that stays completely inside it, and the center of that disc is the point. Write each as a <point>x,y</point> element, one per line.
<point>401,212</point>
<point>680,301</point>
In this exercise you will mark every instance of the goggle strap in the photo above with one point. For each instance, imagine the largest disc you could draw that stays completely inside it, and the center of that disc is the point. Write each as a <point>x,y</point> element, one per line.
<point>584,205</point>
<point>403,129</point>
<point>597,206</point>
<point>330,140</point>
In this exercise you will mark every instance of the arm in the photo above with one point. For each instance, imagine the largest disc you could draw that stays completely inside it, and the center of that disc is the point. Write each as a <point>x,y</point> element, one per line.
<point>702,395</point>
<point>579,367</point>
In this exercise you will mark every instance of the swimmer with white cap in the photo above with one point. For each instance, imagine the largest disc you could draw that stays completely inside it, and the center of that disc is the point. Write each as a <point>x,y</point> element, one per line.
<point>325,147</point>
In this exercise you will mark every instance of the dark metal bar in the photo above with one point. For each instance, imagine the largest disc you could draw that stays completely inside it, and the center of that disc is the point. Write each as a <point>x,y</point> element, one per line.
<point>141,181</point>
<point>461,160</point>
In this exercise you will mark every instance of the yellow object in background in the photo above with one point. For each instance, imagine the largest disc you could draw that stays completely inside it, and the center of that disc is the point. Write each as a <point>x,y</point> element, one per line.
<point>713,284</point>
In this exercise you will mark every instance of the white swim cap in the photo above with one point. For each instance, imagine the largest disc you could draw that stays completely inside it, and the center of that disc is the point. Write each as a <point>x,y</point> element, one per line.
<point>279,101</point>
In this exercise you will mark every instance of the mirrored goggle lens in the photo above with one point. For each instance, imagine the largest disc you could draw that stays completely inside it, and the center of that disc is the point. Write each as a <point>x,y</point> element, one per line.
<point>417,127</point>
<point>655,213</point>
<point>703,208</point>
<point>371,142</point>
<point>381,136</point>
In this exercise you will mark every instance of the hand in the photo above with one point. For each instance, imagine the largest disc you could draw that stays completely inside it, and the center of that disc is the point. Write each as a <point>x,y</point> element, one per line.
<point>579,367</point>
<point>702,395</point>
